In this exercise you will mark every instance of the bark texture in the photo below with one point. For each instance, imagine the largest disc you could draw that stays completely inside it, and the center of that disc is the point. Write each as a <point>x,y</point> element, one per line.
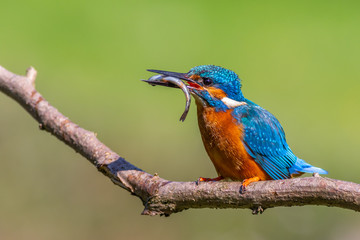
<point>163,197</point>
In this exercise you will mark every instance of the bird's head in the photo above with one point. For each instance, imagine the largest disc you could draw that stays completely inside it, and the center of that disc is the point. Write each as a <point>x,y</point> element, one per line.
<point>212,86</point>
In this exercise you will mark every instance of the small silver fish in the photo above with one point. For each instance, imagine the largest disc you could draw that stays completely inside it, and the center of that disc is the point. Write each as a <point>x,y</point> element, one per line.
<point>172,82</point>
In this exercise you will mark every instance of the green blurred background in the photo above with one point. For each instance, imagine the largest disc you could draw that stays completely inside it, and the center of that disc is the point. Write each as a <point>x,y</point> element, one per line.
<point>298,59</point>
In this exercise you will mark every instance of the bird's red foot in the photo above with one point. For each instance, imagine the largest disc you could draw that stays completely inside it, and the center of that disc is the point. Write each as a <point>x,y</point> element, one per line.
<point>201,179</point>
<point>246,182</point>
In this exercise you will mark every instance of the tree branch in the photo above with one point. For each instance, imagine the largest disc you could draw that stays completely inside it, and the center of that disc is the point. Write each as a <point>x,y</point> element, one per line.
<point>163,197</point>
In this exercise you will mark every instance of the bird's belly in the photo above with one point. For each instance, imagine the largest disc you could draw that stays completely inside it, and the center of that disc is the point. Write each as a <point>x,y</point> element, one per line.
<point>222,138</point>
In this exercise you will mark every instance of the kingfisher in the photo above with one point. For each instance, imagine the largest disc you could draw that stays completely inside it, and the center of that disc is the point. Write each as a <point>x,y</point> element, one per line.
<point>244,141</point>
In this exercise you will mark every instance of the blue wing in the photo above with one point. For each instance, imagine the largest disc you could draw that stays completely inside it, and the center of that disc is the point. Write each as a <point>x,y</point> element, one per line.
<point>264,140</point>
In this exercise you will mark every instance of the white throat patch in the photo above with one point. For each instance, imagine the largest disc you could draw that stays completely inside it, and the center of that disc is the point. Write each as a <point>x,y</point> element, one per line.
<point>230,103</point>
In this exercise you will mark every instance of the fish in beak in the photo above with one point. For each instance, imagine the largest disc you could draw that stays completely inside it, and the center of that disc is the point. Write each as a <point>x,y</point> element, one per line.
<point>175,80</point>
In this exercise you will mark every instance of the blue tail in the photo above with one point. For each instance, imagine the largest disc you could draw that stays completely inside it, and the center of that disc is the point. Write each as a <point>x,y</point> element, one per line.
<point>302,166</point>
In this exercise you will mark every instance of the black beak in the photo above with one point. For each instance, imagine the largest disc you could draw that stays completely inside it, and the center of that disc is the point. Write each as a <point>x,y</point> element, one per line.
<point>172,74</point>
<point>182,76</point>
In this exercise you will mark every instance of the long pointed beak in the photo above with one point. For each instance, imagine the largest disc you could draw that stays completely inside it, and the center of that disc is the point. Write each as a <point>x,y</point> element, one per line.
<point>172,74</point>
<point>155,81</point>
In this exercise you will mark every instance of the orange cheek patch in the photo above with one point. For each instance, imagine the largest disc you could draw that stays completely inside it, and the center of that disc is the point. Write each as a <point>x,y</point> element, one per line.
<point>216,92</point>
<point>195,85</point>
<point>195,77</point>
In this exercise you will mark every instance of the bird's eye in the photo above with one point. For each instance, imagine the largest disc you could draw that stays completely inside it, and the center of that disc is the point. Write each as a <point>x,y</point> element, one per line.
<point>207,81</point>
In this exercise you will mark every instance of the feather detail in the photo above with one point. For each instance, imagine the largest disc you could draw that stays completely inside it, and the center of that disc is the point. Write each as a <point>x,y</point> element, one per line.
<point>265,141</point>
<point>222,140</point>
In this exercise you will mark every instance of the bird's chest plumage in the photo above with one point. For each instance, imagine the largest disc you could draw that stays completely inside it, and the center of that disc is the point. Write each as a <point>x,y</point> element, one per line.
<point>222,138</point>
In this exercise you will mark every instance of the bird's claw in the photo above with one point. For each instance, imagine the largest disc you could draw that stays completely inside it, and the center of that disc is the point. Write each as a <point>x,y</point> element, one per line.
<point>201,179</point>
<point>246,182</point>
<point>242,189</point>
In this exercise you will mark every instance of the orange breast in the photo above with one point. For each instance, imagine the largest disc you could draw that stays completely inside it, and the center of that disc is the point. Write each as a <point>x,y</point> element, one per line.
<point>222,139</point>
